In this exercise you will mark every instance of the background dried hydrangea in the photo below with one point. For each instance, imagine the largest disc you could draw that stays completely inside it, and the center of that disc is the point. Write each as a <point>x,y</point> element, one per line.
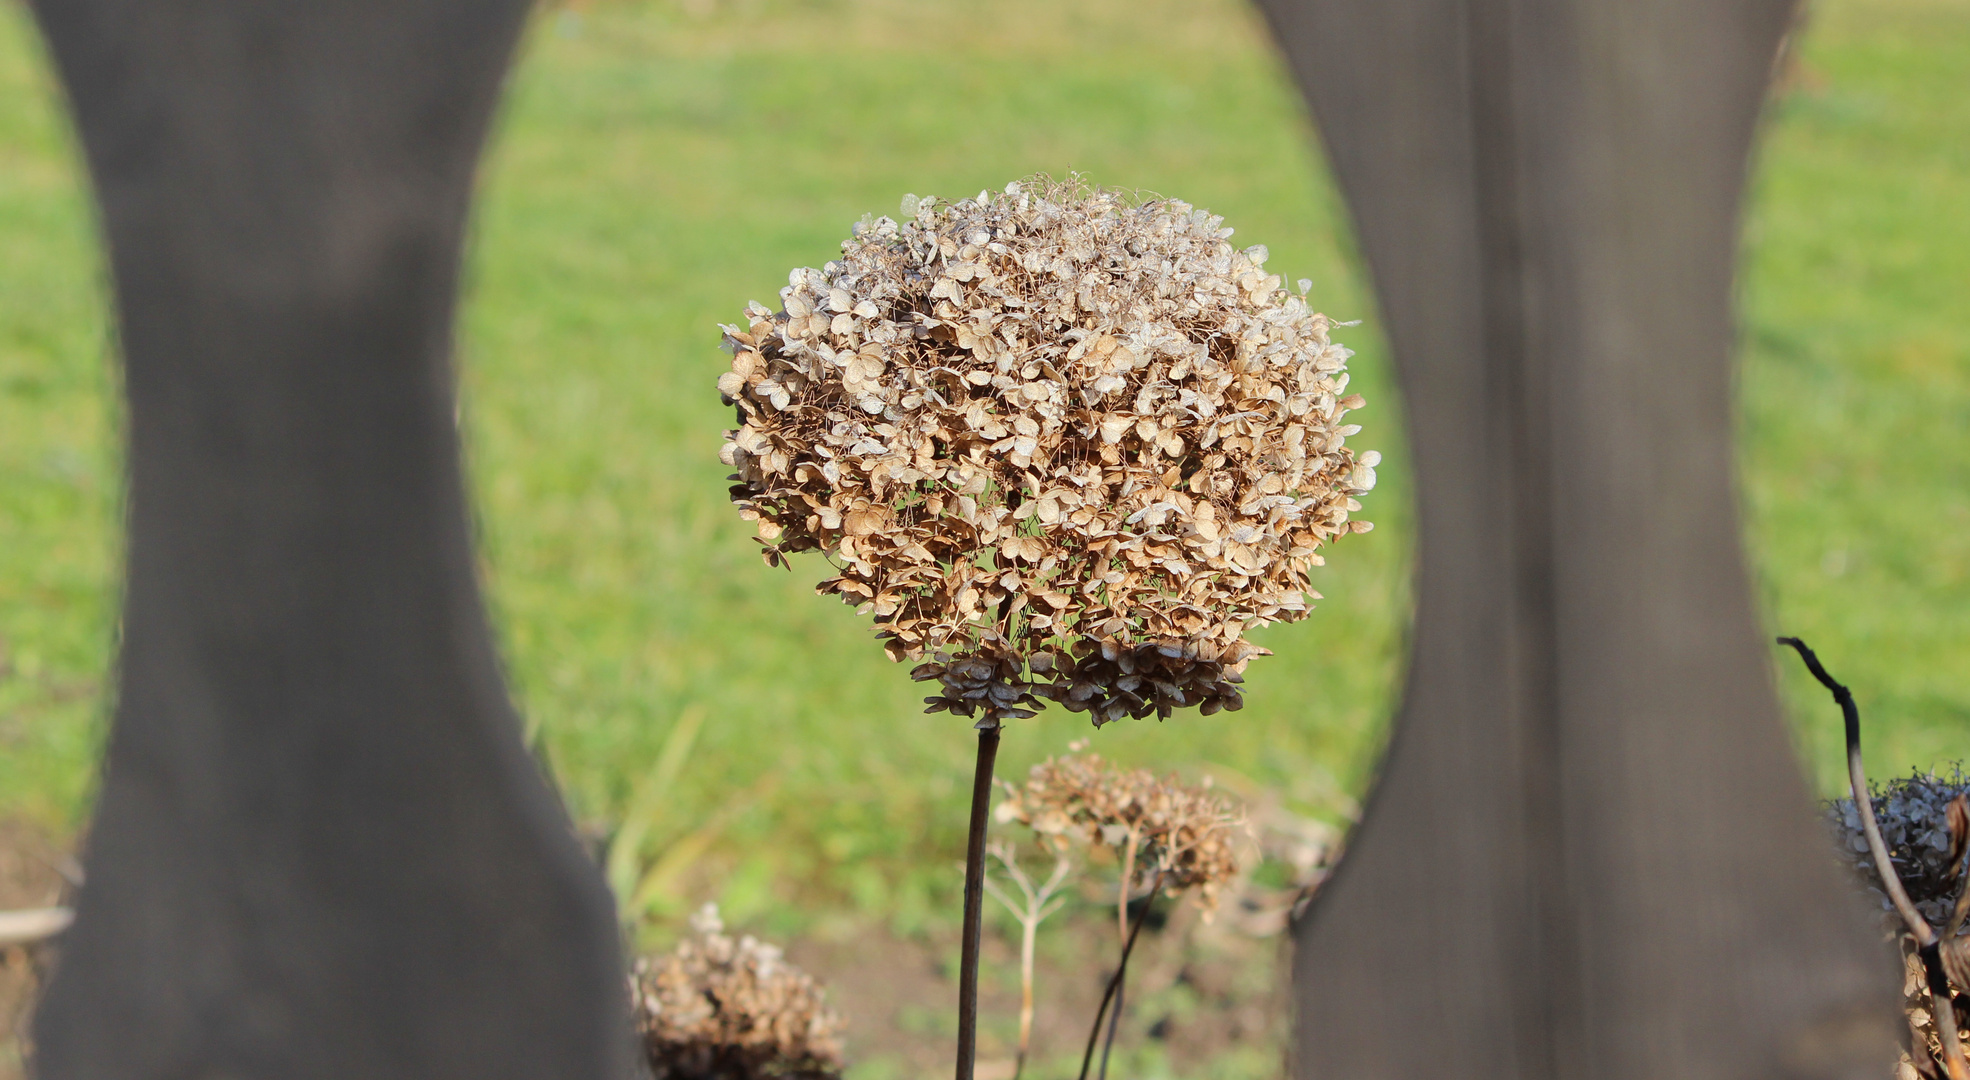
<point>1186,835</point>
<point>1066,444</point>
<point>1919,1009</point>
<point>1913,814</point>
<point>722,1009</point>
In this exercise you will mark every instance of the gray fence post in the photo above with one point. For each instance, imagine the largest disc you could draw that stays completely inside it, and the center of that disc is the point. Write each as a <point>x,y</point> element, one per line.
<point>1591,852</point>
<point>321,849</point>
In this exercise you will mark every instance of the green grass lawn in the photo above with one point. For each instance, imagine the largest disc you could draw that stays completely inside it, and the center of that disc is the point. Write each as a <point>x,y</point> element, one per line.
<point>658,165</point>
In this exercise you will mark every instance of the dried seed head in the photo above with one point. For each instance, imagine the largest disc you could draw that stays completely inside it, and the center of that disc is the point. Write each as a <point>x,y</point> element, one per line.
<point>1187,834</point>
<point>732,1010</point>
<point>1913,813</point>
<point>1063,444</point>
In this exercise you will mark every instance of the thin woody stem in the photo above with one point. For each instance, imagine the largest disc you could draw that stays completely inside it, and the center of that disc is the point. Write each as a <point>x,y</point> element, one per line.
<point>1918,927</point>
<point>1029,930</point>
<point>1122,897</point>
<point>1123,936</point>
<point>1114,1023</point>
<point>1029,915</point>
<point>974,898</point>
<point>1121,971</point>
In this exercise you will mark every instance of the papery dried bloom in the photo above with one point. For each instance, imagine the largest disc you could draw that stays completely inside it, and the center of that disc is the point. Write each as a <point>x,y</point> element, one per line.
<point>1187,834</point>
<point>1068,445</point>
<point>719,1009</point>
<point>1913,815</point>
<point>1918,1007</point>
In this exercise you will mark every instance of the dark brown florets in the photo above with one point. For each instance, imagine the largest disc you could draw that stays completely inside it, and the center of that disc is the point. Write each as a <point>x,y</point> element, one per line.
<point>1064,444</point>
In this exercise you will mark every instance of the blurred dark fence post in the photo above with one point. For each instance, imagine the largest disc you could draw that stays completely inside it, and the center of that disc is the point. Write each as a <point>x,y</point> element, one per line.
<point>1591,852</point>
<point>321,849</point>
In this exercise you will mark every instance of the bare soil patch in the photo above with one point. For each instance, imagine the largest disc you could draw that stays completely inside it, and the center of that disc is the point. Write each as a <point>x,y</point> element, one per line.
<point>1203,999</point>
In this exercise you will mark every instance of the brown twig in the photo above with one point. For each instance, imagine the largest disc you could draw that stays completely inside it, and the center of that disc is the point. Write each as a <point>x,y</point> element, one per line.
<point>1121,972</point>
<point>1122,889</point>
<point>1123,936</point>
<point>33,924</point>
<point>1918,927</point>
<point>974,897</point>
<point>1114,1024</point>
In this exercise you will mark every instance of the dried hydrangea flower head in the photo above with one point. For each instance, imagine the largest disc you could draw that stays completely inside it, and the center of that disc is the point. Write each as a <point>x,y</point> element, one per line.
<point>719,1009</point>
<point>1187,834</point>
<point>1065,444</point>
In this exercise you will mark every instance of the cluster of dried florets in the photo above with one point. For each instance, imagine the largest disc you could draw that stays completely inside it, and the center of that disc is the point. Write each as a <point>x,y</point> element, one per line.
<point>1159,827</point>
<point>719,1009</point>
<point>1919,1007</point>
<point>1913,813</point>
<point>1068,445</point>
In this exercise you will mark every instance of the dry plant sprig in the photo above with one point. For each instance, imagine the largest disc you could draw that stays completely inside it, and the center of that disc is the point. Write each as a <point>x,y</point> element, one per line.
<point>1925,937</point>
<point>1153,824</point>
<point>1064,444</point>
<point>1180,837</point>
<point>1035,903</point>
<point>720,1009</point>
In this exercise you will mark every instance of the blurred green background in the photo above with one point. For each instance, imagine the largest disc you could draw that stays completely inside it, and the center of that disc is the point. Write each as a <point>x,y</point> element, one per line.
<point>661,162</point>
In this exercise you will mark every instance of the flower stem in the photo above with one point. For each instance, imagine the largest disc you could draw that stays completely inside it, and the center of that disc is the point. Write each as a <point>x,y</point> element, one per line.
<point>1122,890</point>
<point>1114,1022</point>
<point>1029,929</point>
<point>1121,972</point>
<point>1038,904</point>
<point>974,899</point>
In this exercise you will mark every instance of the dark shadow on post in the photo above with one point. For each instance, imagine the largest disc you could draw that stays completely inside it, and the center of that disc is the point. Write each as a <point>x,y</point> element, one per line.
<point>321,849</point>
<point>1591,852</point>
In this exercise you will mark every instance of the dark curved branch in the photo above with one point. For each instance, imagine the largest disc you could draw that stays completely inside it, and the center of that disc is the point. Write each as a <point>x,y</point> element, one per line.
<point>1925,935</point>
<point>1918,927</point>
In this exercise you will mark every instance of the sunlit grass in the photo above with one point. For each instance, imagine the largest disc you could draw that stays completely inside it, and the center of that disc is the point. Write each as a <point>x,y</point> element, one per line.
<point>1856,385</point>
<point>654,173</point>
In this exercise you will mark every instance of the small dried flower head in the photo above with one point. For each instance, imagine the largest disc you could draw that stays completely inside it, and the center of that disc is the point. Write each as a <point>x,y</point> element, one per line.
<point>1918,1007</point>
<point>1064,444</point>
<point>720,1009</point>
<point>1913,813</point>
<point>1187,834</point>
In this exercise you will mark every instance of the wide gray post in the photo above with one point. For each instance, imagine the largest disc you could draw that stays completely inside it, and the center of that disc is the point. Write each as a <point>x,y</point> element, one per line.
<point>321,849</point>
<point>1591,853</point>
